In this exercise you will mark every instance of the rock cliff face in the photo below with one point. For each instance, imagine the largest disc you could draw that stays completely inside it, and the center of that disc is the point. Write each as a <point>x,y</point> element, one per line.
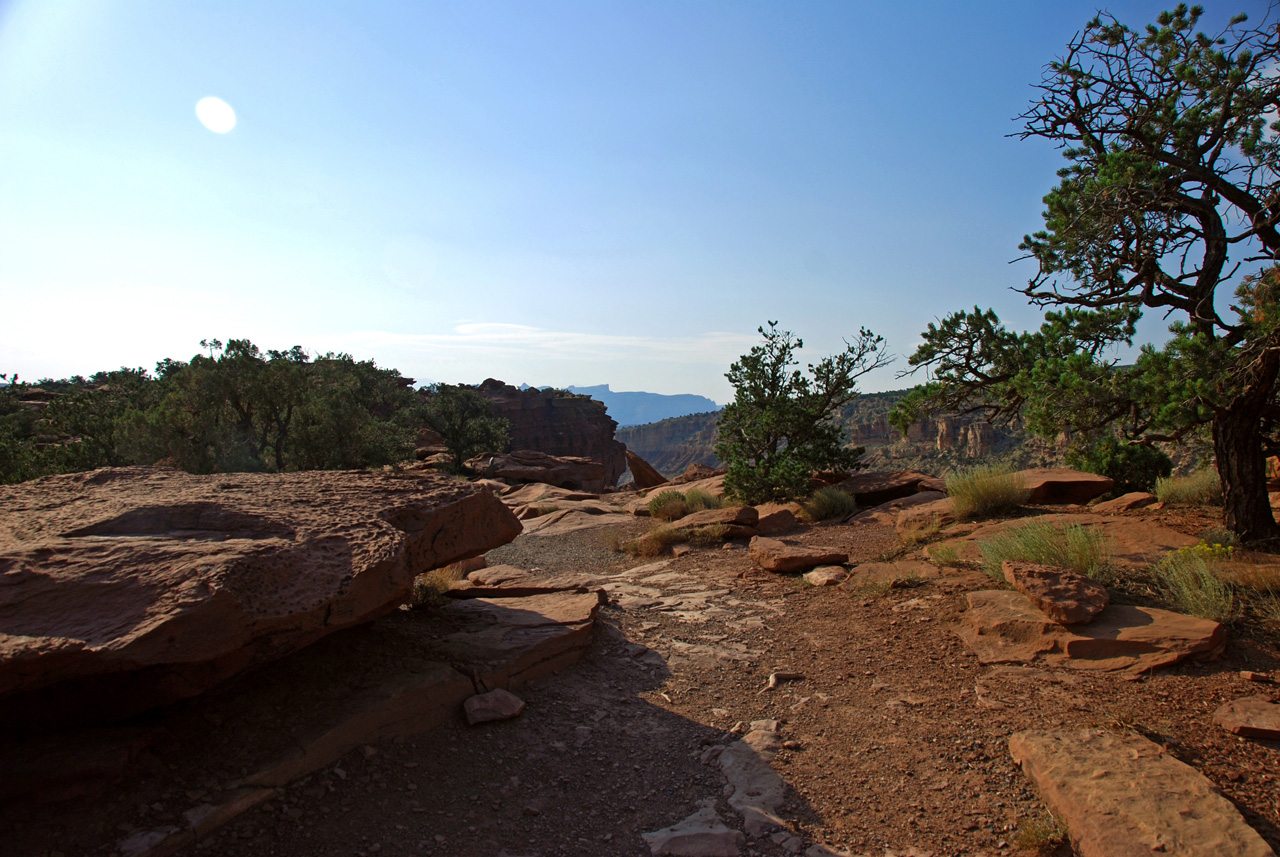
<point>559,423</point>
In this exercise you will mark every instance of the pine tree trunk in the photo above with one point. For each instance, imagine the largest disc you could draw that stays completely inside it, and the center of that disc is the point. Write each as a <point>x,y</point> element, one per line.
<point>1237,444</point>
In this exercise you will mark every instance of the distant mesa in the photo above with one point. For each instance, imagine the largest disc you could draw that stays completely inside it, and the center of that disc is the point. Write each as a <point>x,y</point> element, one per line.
<point>634,409</point>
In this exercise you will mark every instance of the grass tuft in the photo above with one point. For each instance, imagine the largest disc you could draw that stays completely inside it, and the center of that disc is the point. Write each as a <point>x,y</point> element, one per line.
<point>1040,836</point>
<point>828,503</point>
<point>1083,550</point>
<point>429,588</point>
<point>1202,488</point>
<point>698,500</point>
<point>1189,579</point>
<point>986,491</point>
<point>946,555</point>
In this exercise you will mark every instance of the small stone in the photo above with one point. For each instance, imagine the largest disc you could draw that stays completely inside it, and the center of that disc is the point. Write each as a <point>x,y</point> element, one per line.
<point>1260,678</point>
<point>681,550</point>
<point>826,575</point>
<point>497,704</point>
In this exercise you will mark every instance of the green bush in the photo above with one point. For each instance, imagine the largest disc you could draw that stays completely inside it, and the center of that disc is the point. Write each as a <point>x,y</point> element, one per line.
<point>1188,579</point>
<point>986,491</point>
<point>828,503</point>
<point>1202,488</point>
<point>1133,467</point>
<point>1080,549</point>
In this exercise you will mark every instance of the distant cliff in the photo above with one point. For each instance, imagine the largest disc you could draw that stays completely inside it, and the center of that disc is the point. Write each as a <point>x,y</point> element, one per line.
<point>558,423</point>
<point>633,409</point>
<point>672,445</point>
<point>936,445</point>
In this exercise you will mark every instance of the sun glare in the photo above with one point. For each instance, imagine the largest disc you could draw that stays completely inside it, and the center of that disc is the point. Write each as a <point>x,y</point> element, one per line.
<point>215,114</point>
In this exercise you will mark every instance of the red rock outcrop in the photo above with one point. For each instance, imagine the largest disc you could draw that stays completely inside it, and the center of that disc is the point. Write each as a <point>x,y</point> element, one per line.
<point>643,473</point>
<point>572,472</point>
<point>559,423</point>
<point>124,589</point>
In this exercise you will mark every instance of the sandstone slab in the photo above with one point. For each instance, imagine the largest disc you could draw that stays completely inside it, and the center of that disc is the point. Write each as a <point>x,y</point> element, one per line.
<point>774,519</point>
<point>129,588</point>
<point>827,575</point>
<point>506,581</point>
<point>934,513</point>
<point>528,465</point>
<point>887,573</point>
<point>874,488</point>
<point>508,641</point>
<point>1129,540</point>
<point>1122,795</point>
<point>1250,717</point>
<point>773,555</point>
<point>1063,485</point>
<point>1124,503</point>
<point>571,521</point>
<point>541,493</point>
<point>702,834</point>
<point>497,704</point>
<point>742,516</point>
<point>1003,627</point>
<point>1062,595</point>
<point>643,473</point>
<point>758,792</point>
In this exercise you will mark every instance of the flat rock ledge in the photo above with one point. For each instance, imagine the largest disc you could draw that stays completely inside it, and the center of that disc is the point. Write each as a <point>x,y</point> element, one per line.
<point>1121,795</point>
<point>1003,627</point>
<point>1250,717</point>
<point>774,555</point>
<point>702,834</point>
<point>124,589</point>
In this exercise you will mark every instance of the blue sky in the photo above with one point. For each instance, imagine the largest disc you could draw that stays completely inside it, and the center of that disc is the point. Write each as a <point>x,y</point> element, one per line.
<point>551,193</point>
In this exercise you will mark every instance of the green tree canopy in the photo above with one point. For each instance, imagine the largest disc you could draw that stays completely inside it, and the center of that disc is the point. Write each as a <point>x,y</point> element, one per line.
<point>779,428</point>
<point>1169,201</point>
<point>465,421</point>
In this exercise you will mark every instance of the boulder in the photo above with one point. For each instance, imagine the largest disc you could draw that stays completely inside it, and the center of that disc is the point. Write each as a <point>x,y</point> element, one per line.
<point>129,588</point>
<point>1062,595</point>
<point>527,465</point>
<point>1124,503</point>
<point>1062,485</point>
<point>1003,627</point>
<point>826,575</point>
<point>559,424</point>
<point>874,488</point>
<point>773,555</point>
<point>1250,717</point>
<point>776,518</point>
<point>1121,794</point>
<point>497,704</point>
<point>642,472</point>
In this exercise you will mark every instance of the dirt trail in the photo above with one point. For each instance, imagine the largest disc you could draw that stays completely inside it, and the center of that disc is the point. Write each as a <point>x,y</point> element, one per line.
<point>894,741</point>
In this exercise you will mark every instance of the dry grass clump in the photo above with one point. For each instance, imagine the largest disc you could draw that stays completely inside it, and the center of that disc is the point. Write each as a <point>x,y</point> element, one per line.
<point>1189,578</point>
<point>1257,587</point>
<point>828,503</point>
<point>986,491</point>
<point>430,587</point>
<point>1040,836</point>
<point>672,505</point>
<point>1083,550</point>
<point>1202,488</point>
<point>919,530</point>
<point>945,555</point>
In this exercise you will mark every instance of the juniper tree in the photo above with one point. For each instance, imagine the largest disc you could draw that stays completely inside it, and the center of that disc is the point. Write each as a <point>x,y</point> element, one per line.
<point>1169,201</point>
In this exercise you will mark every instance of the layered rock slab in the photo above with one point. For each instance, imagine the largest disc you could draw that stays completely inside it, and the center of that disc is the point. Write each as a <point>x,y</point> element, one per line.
<point>1124,796</point>
<point>1250,717</point>
<point>1063,485</point>
<point>774,555</point>
<point>129,588</point>
<point>1003,627</point>
<point>1062,595</point>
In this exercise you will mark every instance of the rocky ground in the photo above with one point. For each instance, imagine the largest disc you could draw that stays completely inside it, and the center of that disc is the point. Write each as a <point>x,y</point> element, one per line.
<point>892,739</point>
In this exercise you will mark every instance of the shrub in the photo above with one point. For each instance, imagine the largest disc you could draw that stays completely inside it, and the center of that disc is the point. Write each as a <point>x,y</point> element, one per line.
<point>1202,488</point>
<point>1080,549</point>
<point>698,500</point>
<point>1133,467</point>
<point>828,503</point>
<point>669,505</point>
<point>986,491</point>
<point>1188,578</point>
